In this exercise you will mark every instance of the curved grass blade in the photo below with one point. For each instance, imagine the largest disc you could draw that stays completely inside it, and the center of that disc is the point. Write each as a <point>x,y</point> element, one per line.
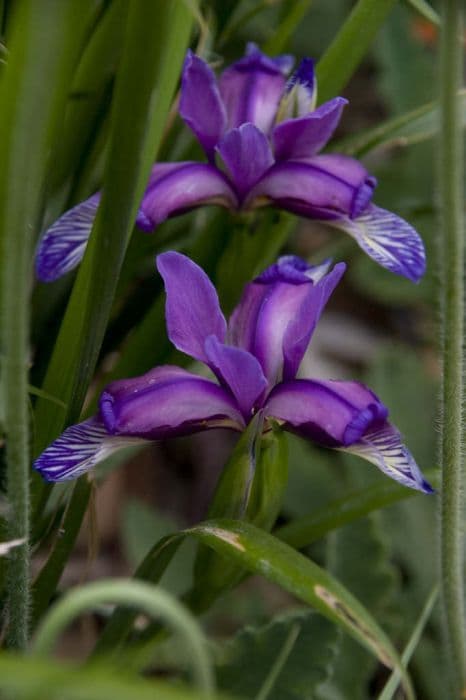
<point>261,553</point>
<point>153,601</point>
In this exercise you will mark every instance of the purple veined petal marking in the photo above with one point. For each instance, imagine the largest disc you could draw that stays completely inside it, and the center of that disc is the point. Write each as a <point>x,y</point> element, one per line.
<point>383,447</point>
<point>303,137</point>
<point>238,370</point>
<point>183,187</point>
<point>201,106</point>
<point>247,155</point>
<point>62,246</point>
<point>78,449</point>
<point>167,402</point>
<point>192,307</point>
<point>389,240</point>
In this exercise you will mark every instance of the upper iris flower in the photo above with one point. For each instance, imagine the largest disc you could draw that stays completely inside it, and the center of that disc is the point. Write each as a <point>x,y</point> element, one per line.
<point>261,135</point>
<point>255,359</point>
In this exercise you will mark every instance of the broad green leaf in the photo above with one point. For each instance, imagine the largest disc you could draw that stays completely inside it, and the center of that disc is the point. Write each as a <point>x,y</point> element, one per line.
<point>359,557</point>
<point>44,679</point>
<point>350,45</point>
<point>287,659</point>
<point>263,554</point>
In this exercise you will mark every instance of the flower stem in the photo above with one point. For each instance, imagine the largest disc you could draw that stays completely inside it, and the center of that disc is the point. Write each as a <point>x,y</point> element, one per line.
<point>452,302</point>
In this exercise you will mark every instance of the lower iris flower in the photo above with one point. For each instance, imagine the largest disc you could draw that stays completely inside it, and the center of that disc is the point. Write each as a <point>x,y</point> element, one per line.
<point>262,136</point>
<point>254,359</point>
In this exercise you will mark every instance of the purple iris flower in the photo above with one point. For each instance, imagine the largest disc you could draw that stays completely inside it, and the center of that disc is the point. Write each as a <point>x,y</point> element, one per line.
<point>261,134</point>
<point>254,360</point>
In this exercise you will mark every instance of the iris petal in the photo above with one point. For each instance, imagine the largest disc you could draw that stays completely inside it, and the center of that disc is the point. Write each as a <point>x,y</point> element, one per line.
<point>304,137</point>
<point>332,413</point>
<point>251,89</point>
<point>384,448</point>
<point>192,308</point>
<point>62,246</point>
<point>167,402</point>
<point>78,449</point>
<point>247,155</point>
<point>201,106</point>
<point>184,186</point>
<point>299,331</point>
<point>389,240</point>
<point>239,371</point>
<point>322,187</point>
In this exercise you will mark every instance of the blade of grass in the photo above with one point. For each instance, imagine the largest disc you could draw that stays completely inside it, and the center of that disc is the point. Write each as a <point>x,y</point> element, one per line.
<point>394,680</point>
<point>43,45</point>
<point>347,50</point>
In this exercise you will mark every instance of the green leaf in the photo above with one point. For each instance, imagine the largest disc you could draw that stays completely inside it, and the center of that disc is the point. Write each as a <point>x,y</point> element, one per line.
<point>392,683</point>
<point>285,30</point>
<point>45,679</point>
<point>287,659</point>
<point>156,39</point>
<point>304,531</point>
<point>415,126</point>
<point>140,526</point>
<point>152,600</point>
<point>32,96</point>
<point>349,47</point>
<point>263,554</point>
<point>359,558</point>
<point>425,9</point>
<point>251,487</point>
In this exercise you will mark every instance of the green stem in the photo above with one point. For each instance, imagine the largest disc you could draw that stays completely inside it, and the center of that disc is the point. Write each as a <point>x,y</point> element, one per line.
<point>452,300</point>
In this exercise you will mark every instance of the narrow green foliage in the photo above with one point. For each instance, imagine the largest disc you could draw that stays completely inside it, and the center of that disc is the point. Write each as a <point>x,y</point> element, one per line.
<point>49,576</point>
<point>350,46</point>
<point>287,659</point>
<point>285,30</point>
<point>303,531</point>
<point>156,39</point>
<point>452,305</point>
<point>34,82</point>
<point>358,556</point>
<point>153,601</point>
<point>392,684</point>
